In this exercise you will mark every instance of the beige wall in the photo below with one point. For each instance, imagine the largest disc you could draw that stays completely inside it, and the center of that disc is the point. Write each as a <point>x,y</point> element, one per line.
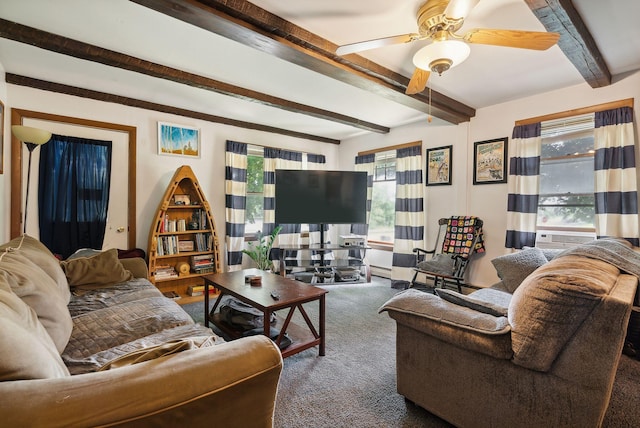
<point>153,171</point>
<point>488,201</point>
<point>462,197</point>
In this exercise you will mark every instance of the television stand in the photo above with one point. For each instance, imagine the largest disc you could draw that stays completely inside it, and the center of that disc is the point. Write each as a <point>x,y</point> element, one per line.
<point>333,270</point>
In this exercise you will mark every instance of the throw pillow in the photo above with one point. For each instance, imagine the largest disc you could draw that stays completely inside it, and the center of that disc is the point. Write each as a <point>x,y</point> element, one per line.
<point>515,267</point>
<point>440,263</point>
<point>26,350</point>
<point>551,305</point>
<point>40,255</point>
<point>36,288</point>
<point>469,301</point>
<point>96,271</point>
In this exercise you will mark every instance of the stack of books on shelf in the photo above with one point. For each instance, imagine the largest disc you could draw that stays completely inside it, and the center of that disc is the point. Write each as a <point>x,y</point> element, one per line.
<point>165,272</point>
<point>202,263</point>
<point>203,241</point>
<point>200,217</point>
<point>198,290</point>
<point>167,245</point>
<point>167,225</point>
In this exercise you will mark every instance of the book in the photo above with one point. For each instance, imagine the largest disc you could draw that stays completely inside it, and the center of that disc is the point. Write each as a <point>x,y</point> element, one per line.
<point>171,295</point>
<point>185,246</point>
<point>198,290</point>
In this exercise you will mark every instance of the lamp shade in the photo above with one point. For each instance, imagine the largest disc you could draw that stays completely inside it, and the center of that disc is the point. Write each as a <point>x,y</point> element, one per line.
<point>27,134</point>
<point>440,56</point>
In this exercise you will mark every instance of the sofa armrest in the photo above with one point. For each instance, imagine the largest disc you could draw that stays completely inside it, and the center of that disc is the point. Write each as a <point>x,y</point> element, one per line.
<point>137,266</point>
<point>451,323</point>
<point>232,384</point>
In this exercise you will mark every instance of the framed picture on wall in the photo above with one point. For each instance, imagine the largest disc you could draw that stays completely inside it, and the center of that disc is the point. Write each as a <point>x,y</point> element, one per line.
<point>490,161</point>
<point>439,166</point>
<point>1,137</point>
<point>178,140</point>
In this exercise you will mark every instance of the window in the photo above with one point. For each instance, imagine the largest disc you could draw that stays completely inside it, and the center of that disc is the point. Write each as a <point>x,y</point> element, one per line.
<point>566,174</point>
<point>383,198</point>
<point>255,190</point>
<point>254,214</point>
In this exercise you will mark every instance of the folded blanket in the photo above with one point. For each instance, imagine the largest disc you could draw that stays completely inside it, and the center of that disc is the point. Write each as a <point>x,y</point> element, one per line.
<point>616,252</point>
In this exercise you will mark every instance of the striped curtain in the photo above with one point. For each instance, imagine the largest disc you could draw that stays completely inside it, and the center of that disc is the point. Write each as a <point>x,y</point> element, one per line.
<point>523,186</point>
<point>409,227</point>
<point>317,162</point>
<point>278,159</point>
<point>235,201</point>
<point>615,175</point>
<point>366,163</point>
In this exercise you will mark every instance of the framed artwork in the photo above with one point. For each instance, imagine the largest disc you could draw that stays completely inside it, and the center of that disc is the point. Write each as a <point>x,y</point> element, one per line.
<point>1,137</point>
<point>490,161</point>
<point>178,140</point>
<point>439,166</point>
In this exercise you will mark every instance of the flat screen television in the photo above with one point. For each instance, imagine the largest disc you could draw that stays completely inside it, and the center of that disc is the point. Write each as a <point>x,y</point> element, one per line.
<point>320,197</point>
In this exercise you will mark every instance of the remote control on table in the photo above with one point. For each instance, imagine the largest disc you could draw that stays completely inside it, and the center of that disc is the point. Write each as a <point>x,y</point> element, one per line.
<point>275,295</point>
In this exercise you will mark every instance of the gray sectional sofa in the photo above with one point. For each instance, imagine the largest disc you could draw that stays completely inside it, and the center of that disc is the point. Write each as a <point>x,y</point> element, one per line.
<point>538,349</point>
<point>91,342</point>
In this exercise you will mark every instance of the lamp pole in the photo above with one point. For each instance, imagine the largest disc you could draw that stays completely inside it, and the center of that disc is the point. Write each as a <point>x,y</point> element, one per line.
<point>32,138</point>
<point>31,147</point>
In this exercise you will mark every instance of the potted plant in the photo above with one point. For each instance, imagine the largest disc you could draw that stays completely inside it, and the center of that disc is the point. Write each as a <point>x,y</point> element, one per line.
<point>259,249</point>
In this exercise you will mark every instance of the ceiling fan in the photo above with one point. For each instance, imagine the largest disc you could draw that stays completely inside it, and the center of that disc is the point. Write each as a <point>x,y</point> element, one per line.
<point>438,21</point>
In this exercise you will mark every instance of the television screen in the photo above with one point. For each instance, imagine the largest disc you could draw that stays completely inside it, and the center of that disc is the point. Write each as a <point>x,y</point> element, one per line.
<point>312,196</point>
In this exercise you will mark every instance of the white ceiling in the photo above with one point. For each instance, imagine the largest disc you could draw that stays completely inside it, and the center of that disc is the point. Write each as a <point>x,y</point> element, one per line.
<point>490,76</point>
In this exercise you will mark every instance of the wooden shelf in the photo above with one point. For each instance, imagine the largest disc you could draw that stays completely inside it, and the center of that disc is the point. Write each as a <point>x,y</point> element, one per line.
<point>301,338</point>
<point>198,211</point>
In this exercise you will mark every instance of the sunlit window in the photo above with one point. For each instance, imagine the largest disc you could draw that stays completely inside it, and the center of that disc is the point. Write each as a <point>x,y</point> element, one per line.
<point>567,174</point>
<point>255,190</point>
<point>383,198</point>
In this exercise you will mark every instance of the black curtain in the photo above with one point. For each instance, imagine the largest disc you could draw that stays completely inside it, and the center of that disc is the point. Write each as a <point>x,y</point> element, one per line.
<point>73,193</point>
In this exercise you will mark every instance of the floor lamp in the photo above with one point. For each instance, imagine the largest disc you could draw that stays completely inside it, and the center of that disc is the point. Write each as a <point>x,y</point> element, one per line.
<point>32,138</point>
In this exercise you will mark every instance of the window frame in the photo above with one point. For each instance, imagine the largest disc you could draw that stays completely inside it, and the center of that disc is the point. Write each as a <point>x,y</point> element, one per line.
<point>577,126</point>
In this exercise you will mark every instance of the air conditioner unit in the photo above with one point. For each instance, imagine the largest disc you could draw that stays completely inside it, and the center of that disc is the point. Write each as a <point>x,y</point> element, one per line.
<point>556,239</point>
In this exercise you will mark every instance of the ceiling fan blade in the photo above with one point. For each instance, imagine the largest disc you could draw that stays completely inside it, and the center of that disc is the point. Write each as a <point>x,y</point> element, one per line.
<point>418,81</point>
<point>376,43</point>
<point>512,38</point>
<point>457,9</point>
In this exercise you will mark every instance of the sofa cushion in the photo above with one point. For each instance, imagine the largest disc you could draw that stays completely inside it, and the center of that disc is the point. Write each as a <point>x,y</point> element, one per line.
<point>552,303</point>
<point>470,301</point>
<point>440,263</point>
<point>515,267</point>
<point>38,290</point>
<point>97,270</point>
<point>36,252</point>
<point>26,349</point>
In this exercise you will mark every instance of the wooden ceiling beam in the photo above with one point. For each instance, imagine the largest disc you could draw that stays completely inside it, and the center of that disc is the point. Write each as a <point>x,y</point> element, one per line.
<point>246,23</point>
<point>60,88</point>
<point>576,41</point>
<point>74,48</point>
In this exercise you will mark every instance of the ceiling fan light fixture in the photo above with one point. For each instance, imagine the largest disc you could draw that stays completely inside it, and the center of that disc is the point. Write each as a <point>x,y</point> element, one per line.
<point>441,56</point>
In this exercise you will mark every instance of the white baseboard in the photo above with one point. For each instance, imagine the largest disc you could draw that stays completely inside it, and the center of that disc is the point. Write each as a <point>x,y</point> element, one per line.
<point>380,271</point>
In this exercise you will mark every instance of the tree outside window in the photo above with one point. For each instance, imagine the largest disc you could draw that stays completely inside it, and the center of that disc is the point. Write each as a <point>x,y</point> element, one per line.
<point>383,199</point>
<point>255,191</point>
<point>567,197</point>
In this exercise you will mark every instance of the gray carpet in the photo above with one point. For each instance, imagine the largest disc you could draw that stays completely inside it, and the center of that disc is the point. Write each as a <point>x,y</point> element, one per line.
<point>353,385</point>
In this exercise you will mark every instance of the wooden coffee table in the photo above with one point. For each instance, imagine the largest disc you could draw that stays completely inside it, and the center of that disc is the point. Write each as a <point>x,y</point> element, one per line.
<point>292,295</point>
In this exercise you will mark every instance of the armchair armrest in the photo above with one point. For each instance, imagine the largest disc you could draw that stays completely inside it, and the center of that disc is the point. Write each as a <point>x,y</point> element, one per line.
<point>421,250</point>
<point>458,325</point>
<point>232,384</point>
